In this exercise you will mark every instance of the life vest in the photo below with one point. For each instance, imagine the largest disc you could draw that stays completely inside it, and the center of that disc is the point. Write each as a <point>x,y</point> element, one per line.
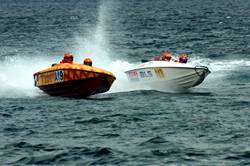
<point>183,58</point>
<point>166,56</point>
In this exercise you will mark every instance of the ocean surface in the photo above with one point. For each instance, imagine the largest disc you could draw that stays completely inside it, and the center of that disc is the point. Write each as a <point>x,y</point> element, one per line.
<point>208,125</point>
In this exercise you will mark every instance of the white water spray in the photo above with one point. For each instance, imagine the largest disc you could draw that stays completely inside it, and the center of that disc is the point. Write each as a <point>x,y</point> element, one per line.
<point>96,46</point>
<point>16,76</point>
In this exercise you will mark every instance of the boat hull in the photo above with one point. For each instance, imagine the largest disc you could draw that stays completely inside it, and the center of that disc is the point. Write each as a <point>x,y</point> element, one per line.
<point>168,78</point>
<point>75,80</point>
<point>78,88</point>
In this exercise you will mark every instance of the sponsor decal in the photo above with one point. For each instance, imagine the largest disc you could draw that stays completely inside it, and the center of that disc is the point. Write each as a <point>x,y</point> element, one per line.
<point>159,72</point>
<point>133,75</point>
<point>146,74</point>
<point>45,78</point>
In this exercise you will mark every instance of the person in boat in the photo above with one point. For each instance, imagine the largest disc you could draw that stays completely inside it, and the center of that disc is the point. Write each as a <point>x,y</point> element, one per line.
<point>67,58</point>
<point>157,58</point>
<point>166,56</point>
<point>183,58</point>
<point>87,61</point>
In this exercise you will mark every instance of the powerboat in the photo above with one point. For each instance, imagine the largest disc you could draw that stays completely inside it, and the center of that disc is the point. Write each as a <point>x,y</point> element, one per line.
<point>73,80</point>
<point>167,76</point>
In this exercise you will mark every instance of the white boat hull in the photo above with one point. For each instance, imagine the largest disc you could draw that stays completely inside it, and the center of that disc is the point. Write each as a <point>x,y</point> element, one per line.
<point>166,76</point>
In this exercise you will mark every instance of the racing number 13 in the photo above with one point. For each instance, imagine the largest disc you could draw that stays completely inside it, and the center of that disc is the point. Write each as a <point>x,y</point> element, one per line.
<point>59,75</point>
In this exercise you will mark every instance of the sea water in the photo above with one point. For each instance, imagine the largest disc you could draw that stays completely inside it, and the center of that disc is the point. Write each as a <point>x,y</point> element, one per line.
<point>208,125</point>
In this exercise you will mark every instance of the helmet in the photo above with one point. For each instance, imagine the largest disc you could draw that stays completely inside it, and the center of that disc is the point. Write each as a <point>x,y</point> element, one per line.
<point>67,58</point>
<point>166,56</point>
<point>87,61</point>
<point>183,58</point>
<point>68,55</point>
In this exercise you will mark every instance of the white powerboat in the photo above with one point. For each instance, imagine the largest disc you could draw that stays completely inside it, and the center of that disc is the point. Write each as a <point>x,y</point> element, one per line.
<point>167,76</point>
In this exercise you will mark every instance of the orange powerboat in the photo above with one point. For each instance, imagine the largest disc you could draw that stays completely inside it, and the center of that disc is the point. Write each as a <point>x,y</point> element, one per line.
<point>73,80</point>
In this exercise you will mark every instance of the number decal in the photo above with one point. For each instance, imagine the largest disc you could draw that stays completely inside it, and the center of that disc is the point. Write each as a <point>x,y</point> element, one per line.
<point>59,75</point>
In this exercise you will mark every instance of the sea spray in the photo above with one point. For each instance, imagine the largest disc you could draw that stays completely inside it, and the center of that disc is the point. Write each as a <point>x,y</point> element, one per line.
<point>16,78</point>
<point>96,46</point>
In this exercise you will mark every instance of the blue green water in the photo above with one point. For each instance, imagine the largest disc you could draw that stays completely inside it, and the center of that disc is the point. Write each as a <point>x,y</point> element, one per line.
<point>209,125</point>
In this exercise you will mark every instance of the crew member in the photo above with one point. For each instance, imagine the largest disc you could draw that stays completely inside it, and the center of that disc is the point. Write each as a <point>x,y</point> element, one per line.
<point>87,61</point>
<point>183,58</point>
<point>157,58</point>
<point>67,58</point>
<point>166,56</point>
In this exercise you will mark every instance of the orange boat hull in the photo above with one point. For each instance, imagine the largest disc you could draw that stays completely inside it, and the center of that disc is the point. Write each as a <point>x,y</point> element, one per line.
<point>73,80</point>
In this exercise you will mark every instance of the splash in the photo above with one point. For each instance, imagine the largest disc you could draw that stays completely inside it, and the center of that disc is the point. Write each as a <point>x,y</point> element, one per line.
<point>16,77</point>
<point>220,65</point>
<point>220,70</point>
<point>96,46</point>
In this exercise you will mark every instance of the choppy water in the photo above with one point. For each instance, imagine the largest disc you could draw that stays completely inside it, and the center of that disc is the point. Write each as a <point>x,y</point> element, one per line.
<point>207,126</point>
